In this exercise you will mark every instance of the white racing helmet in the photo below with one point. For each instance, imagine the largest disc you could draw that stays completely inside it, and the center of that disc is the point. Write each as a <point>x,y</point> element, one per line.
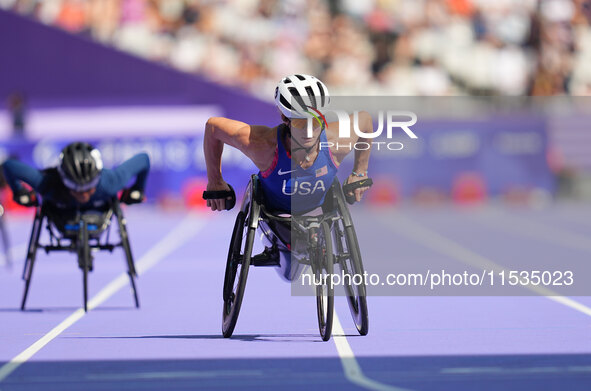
<point>296,94</point>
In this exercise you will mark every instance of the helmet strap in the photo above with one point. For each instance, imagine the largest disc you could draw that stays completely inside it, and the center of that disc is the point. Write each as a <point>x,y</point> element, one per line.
<point>308,150</point>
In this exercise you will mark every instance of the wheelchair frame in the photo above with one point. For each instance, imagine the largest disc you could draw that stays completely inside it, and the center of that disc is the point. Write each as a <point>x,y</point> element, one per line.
<point>83,242</point>
<point>331,240</point>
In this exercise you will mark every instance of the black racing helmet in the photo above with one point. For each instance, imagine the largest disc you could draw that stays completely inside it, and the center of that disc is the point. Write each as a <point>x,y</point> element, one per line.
<point>80,166</point>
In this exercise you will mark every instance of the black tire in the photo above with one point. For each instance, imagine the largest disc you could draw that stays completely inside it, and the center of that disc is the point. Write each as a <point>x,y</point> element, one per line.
<point>33,243</point>
<point>85,279</point>
<point>131,272</point>
<point>127,248</point>
<point>84,260</point>
<point>351,264</point>
<point>31,255</point>
<point>237,265</point>
<point>356,294</point>
<point>322,267</point>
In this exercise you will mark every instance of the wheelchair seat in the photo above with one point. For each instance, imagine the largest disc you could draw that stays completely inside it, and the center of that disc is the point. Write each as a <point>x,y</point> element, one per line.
<point>67,221</point>
<point>278,222</point>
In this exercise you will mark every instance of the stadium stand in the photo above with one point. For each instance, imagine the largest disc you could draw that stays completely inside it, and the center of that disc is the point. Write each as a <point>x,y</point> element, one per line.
<point>394,47</point>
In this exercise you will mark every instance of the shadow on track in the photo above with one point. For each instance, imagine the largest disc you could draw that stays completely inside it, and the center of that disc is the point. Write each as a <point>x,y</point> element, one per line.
<point>238,337</point>
<point>66,309</point>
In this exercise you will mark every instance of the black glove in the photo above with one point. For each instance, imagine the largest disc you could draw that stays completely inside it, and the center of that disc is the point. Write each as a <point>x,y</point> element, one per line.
<point>26,198</point>
<point>351,187</point>
<point>217,194</point>
<point>132,196</point>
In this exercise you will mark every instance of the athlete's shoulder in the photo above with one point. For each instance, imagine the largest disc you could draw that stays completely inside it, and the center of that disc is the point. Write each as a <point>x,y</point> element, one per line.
<point>108,175</point>
<point>263,136</point>
<point>262,146</point>
<point>51,175</point>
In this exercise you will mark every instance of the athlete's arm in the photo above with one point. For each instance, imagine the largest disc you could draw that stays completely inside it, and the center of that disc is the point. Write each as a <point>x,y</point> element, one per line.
<point>251,140</point>
<point>15,172</point>
<point>361,163</point>
<point>116,179</point>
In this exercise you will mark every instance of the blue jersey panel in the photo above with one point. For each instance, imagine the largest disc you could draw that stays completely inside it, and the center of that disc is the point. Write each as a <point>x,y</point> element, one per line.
<point>294,189</point>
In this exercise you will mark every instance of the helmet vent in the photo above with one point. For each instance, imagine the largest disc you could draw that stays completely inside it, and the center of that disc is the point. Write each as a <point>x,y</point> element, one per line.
<point>311,94</point>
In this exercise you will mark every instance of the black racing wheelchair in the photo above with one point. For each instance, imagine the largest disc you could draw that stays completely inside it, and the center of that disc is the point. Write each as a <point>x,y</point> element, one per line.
<point>80,232</point>
<point>320,241</point>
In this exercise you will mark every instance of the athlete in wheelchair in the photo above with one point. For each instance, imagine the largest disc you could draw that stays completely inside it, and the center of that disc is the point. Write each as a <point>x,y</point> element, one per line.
<point>297,179</point>
<point>78,200</point>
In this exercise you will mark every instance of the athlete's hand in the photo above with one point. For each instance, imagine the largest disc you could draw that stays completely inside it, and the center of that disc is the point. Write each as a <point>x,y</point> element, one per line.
<point>357,192</point>
<point>132,196</point>
<point>26,198</point>
<point>218,204</point>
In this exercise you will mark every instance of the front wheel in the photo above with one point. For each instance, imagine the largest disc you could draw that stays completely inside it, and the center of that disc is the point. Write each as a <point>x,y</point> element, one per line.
<point>352,265</point>
<point>84,260</point>
<point>128,258</point>
<point>237,265</point>
<point>322,267</point>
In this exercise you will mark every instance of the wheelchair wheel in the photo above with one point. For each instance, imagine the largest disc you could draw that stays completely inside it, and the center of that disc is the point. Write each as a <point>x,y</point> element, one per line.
<point>131,272</point>
<point>84,260</point>
<point>31,254</point>
<point>356,294</point>
<point>237,265</point>
<point>322,267</point>
<point>347,250</point>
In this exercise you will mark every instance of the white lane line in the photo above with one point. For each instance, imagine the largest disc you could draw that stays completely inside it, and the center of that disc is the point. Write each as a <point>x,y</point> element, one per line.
<point>26,354</point>
<point>350,365</point>
<point>443,245</point>
<point>175,238</point>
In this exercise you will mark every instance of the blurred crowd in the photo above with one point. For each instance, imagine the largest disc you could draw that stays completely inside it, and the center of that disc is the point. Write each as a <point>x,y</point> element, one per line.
<point>369,47</point>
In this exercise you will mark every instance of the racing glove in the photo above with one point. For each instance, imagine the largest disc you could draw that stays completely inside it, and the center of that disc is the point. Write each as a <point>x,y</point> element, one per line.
<point>132,196</point>
<point>26,198</point>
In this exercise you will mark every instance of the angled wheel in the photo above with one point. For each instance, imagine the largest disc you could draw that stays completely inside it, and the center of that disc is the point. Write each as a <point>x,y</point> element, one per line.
<point>84,260</point>
<point>322,267</point>
<point>237,264</point>
<point>349,259</point>
<point>131,272</point>
<point>31,254</point>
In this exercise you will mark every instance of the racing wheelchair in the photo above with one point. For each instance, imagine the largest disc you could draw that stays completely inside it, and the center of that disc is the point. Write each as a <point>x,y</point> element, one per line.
<point>80,232</point>
<point>320,242</point>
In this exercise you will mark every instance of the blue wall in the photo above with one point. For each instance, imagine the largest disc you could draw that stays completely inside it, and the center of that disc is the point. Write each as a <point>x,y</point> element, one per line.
<point>52,68</point>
